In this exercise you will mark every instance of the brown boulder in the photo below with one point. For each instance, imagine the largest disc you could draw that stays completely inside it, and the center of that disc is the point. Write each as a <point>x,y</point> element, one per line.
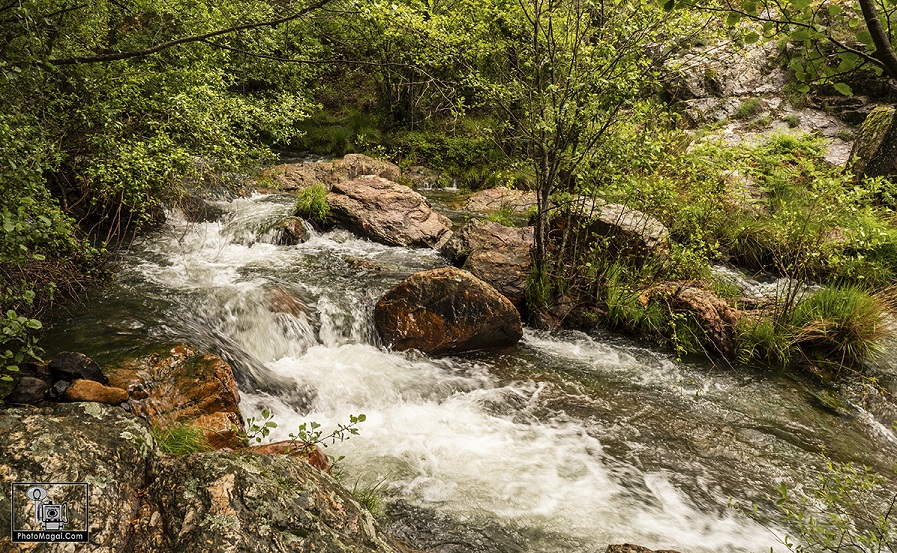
<point>445,311</point>
<point>494,199</point>
<point>296,176</point>
<point>221,429</point>
<point>89,390</point>
<point>716,317</point>
<point>496,254</point>
<point>629,233</point>
<point>387,212</point>
<point>180,384</point>
<point>291,231</point>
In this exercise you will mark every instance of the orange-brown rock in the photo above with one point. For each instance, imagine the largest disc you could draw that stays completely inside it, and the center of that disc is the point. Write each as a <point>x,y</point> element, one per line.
<point>494,199</point>
<point>296,176</point>
<point>716,317</point>
<point>313,456</point>
<point>89,390</point>
<point>444,311</point>
<point>221,429</point>
<point>178,384</point>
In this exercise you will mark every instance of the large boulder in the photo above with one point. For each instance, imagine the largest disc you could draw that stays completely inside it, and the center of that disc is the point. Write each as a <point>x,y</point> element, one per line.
<point>387,212</point>
<point>496,254</point>
<point>445,311</point>
<point>494,199</point>
<point>713,314</point>
<point>179,385</point>
<point>71,366</point>
<point>142,502</point>
<point>296,176</point>
<point>628,234</point>
<point>874,152</point>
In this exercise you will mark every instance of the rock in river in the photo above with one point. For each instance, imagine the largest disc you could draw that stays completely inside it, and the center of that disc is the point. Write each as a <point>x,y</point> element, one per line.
<point>445,311</point>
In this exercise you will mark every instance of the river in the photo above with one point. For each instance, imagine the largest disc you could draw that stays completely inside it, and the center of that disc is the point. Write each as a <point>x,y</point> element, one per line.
<point>564,443</point>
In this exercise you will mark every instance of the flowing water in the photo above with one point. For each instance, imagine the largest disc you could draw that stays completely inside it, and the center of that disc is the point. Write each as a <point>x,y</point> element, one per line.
<point>564,443</point>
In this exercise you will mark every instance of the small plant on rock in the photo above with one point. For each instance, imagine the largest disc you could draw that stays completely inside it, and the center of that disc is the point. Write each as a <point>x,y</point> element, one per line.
<point>310,436</point>
<point>180,439</point>
<point>311,205</point>
<point>259,429</point>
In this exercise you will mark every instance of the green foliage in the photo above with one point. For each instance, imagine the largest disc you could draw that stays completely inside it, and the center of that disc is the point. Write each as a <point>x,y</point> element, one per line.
<point>311,205</point>
<point>310,437</point>
<point>792,119</point>
<point>504,216</point>
<point>259,429</point>
<point>180,439</point>
<point>370,496</point>
<point>748,108</point>
<point>851,509</point>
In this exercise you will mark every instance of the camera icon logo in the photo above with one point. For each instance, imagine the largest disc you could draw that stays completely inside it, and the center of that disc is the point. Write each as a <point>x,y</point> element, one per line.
<point>51,516</point>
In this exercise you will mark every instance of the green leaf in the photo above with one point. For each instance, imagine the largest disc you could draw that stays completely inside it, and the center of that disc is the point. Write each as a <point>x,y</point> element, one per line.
<point>733,19</point>
<point>750,6</point>
<point>751,38</point>
<point>669,5</point>
<point>34,323</point>
<point>865,37</point>
<point>834,10</point>
<point>844,89</point>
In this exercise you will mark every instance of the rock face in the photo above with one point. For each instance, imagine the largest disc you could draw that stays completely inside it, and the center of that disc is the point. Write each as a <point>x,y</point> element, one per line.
<point>716,317</point>
<point>181,385</point>
<point>387,212</point>
<point>500,256</point>
<point>141,502</point>
<point>296,176</point>
<point>629,233</point>
<point>874,152</point>
<point>494,199</point>
<point>445,311</point>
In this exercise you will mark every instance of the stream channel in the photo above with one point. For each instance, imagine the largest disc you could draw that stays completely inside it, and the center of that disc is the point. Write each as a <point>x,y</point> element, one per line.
<point>563,443</point>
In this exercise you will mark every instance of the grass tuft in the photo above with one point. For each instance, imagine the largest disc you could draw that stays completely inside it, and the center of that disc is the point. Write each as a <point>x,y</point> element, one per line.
<point>180,439</point>
<point>311,205</point>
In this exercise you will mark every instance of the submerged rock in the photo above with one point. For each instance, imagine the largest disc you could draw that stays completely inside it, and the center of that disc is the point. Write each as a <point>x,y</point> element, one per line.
<point>88,390</point>
<point>445,311</point>
<point>874,152</point>
<point>291,231</point>
<point>28,390</point>
<point>70,366</point>
<point>630,548</point>
<point>500,256</point>
<point>387,212</point>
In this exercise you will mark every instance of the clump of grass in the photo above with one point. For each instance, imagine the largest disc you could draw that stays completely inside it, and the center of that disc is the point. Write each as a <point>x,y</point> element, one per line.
<point>841,325</point>
<point>761,340</point>
<point>180,439</point>
<point>748,108</point>
<point>504,216</point>
<point>311,205</point>
<point>370,496</point>
<point>792,119</point>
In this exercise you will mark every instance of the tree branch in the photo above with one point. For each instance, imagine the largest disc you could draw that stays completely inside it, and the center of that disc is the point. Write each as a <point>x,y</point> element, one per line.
<point>113,56</point>
<point>883,49</point>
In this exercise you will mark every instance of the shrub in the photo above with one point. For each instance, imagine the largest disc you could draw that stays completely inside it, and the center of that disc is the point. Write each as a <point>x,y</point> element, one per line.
<point>748,108</point>
<point>503,216</point>
<point>311,205</point>
<point>793,119</point>
<point>180,439</point>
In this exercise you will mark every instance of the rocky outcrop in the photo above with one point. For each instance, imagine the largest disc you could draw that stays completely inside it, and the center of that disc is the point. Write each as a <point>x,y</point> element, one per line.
<point>714,315</point>
<point>874,152</point>
<point>296,176</point>
<point>446,311</point>
<point>141,502</point>
<point>496,254</point>
<point>494,199</point>
<point>88,390</point>
<point>627,233</point>
<point>387,212</point>
<point>179,385</point>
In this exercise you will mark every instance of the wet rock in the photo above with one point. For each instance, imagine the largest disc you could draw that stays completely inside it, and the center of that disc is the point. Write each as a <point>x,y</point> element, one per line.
<point>291,231</point>
<point>102,445</point>
<point>88,390</point>
<point>630,548</point>
<point>496,254</point>
<point>250,502</point>
<point>283,301</point>
<point>387,212</point>
<point>313,456</point>
<point>296,176</point>
<point>199,210</point>
<point>716,317</point>
<point>221,429</point>
<point>181,384</point>
<point>445,311</point>
<point>627,233</point>
<point>494,199</point>
<point>421,177</point>
<point>57,390</point>
<point>28,390</point>
<point>70,365</point>
<point>874,152</point>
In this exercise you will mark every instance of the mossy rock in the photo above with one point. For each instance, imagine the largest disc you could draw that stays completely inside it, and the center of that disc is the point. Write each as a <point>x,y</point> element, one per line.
<point>874,153</point>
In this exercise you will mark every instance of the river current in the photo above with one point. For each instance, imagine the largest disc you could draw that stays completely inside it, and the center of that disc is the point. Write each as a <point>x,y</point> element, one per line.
<point>563,443</point>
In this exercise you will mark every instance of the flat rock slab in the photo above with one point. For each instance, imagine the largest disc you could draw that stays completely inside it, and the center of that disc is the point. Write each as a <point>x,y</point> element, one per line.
<point>387,212</point>
<point>292,177</point>
<point>494,199</point>
<point>446,311</point>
